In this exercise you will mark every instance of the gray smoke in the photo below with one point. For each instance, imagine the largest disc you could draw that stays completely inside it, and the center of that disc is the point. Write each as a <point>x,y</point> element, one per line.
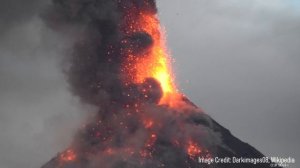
<point>94,75</point>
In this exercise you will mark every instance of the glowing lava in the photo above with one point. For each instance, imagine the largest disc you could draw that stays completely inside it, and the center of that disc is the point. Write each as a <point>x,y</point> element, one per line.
<point>193,150</point>
<point>68,156</point>
<point>153,63</point>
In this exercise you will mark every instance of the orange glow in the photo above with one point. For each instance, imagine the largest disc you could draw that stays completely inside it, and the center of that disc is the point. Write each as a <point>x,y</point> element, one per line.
<point>148,123</point>
<point>68,155</point>
<point>193,150</point>
<point>154,63</point>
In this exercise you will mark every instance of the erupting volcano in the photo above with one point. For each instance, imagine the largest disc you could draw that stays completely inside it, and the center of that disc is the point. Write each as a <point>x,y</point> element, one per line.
<point>119,64</point>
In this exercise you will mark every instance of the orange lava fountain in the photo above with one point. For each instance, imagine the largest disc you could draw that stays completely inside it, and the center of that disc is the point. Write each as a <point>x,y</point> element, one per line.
<point>155,62</point>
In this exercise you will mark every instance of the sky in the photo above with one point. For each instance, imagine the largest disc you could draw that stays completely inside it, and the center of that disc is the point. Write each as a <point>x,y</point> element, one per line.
<point>238,60</point>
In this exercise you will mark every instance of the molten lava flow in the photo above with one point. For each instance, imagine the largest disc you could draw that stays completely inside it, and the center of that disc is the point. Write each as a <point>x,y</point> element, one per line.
<point>155,62</point>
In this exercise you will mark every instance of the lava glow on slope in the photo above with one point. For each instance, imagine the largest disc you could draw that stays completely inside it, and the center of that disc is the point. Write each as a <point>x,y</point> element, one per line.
<point>68,156</point>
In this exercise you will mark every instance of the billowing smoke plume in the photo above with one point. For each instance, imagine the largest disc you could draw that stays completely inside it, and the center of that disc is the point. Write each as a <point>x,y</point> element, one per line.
<point>132,128</point>
<point>95,66</point>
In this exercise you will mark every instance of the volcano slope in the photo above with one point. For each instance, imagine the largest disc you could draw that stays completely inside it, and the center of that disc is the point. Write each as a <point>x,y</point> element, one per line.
<point>172,139</point>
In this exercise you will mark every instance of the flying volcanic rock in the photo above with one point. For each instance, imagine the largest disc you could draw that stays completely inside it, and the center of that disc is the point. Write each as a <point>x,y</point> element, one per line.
<point>120,65</point>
